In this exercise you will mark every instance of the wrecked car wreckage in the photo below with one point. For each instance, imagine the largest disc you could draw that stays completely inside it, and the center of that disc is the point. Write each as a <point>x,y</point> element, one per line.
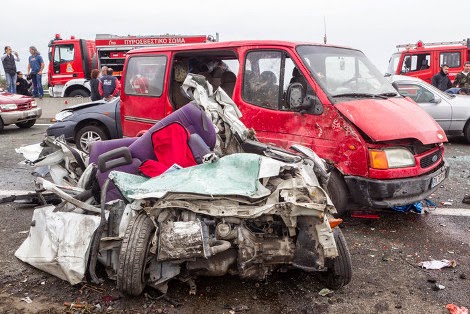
<point>245,208</point>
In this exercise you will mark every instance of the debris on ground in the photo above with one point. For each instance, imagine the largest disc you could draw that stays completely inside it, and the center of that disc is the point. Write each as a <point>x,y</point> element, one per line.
<point>325,291</point>
<point>466,199</point>
<point>237,308</point>
<point>454,309</point>
<point>434,264</point>
<point>27,300</point>
<point>438,287</point>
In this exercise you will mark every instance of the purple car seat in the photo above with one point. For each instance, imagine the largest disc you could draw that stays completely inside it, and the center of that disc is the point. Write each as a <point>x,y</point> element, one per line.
<point>191,116</point>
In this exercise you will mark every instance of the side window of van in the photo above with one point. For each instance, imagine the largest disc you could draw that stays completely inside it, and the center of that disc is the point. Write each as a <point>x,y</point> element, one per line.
<point>145,75</point>
<point>418,62</point>
<point>267,76</point>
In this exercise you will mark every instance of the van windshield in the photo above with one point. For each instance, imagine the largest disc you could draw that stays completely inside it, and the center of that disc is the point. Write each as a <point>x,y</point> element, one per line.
<point>393,64</point>
<point>345,72</point>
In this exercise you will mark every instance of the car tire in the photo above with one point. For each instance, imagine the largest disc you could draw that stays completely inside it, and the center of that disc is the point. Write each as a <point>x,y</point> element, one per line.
<point>26,124</point>
<point>466,132</point>
<point>88,135</point>
<point>339,271</point>
<point>133,257</point>
<point>79,93</point>
<point>338,192</point>
<point>2,125</point>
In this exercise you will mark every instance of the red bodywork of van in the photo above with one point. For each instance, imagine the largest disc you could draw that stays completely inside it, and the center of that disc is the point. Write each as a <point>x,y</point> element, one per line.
<point>348,128</point>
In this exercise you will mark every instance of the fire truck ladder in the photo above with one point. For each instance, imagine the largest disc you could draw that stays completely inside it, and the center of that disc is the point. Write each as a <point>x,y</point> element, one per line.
<point>464,42</point>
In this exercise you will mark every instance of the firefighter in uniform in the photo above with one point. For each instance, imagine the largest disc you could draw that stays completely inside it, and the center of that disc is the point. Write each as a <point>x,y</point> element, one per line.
<point>109,85</point>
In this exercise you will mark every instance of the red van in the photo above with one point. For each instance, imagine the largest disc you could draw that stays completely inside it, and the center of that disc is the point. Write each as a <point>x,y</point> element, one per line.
<point>385,150</point>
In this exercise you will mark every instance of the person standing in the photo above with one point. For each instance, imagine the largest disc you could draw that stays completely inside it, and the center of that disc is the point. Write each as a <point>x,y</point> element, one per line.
<point>462,79</point>
<point>94,84</point>
<point>441,79</point>
<point>109,86</point>
<point>22,85</point>
<point>35,67</point>
<point>104,71</point>
<point>8,59</point>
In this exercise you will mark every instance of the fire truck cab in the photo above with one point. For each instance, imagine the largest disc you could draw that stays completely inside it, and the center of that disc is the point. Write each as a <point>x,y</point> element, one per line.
<point>424,60</point>
<point>72,60</point>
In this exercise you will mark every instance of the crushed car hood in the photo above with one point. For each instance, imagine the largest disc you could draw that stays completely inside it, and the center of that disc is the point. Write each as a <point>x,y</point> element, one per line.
<point>84,105</point>
<point>392,119</point>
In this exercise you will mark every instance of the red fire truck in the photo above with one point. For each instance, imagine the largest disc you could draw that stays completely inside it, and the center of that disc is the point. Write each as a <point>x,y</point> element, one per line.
<point>71,60</point>
<point>423,60</point>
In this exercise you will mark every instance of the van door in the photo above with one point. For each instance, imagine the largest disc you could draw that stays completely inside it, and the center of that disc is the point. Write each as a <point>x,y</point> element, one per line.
<point>143,95</point>
<point>267,75</point>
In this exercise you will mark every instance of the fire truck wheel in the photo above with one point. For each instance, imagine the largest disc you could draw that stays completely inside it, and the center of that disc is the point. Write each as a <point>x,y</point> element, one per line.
<point>26,124</point>
<point>88,135</point>
<point>466,132</point>
<point>79,93</point>
<point>339,271</point>
<point>134,257</point>
<point>338,192</point>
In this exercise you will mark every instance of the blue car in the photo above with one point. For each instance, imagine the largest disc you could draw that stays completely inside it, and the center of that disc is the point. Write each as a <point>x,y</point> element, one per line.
<point>89,122</point>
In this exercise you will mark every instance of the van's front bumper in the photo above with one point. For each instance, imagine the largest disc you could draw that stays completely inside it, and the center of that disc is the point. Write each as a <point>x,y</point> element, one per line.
<point>396,192</point>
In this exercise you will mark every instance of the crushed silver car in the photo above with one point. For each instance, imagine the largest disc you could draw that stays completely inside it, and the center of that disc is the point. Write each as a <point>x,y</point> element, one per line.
<point>243,208</point>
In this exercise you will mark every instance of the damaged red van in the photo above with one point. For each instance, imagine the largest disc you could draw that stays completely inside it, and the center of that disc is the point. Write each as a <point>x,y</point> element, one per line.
<point>383,148</point>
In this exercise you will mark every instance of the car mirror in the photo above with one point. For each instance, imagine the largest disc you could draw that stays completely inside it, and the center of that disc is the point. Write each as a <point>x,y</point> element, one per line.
<point>436,99</point>
<point>299,101</point>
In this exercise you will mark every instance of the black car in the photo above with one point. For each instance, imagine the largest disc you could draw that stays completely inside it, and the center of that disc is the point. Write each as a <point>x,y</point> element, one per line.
<point>89,122</point>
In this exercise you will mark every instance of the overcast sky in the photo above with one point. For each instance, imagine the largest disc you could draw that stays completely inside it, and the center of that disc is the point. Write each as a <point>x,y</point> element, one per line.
<point>373,26</point>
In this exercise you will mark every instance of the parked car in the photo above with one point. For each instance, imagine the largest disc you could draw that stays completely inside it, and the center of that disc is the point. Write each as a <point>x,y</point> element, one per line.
<point>89,122</point>
<point>452,112</point>
<point>19,110</point>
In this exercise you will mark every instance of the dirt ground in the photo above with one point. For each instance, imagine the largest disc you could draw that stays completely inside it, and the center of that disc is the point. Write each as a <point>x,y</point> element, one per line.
<point>386,279</point>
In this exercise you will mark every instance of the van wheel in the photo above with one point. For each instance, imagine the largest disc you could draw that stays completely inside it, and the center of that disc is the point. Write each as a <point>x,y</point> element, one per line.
<point>88,135</point>
<point>338,192</point>
<point>466,132</point>
<point>26,124</point>
<point>134,256</point>
<point>339,271</point>
<point>79,93</point>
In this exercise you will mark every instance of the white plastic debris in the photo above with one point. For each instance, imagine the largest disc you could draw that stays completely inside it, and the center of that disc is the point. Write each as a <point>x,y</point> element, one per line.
<point>434,264</point>
<point>27,300</point>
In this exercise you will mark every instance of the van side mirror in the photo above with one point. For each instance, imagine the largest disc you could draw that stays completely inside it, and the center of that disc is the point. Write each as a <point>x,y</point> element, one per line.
<point>297,100</point>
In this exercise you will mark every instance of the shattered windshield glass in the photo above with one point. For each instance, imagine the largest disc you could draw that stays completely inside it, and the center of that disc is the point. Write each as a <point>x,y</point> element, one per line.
<point>345,73</point>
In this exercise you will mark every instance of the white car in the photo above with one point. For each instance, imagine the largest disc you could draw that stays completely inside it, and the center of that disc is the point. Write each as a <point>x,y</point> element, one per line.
<point>452,112</point>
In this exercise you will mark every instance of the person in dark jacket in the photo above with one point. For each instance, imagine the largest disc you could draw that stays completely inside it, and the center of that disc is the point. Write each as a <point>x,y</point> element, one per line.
<point>94,85</point>
<point>109,85</point>
<point>22,85</point>
<point>9,65</point>
<point>441,80</point>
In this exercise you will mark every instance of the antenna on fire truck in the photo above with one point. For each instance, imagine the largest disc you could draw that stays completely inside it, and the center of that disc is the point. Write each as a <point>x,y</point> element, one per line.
<point>324,26</point>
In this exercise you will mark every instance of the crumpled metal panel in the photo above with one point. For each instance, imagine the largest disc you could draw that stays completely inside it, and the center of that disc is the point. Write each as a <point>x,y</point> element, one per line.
<point>235,174</point>
<point>58,243</point>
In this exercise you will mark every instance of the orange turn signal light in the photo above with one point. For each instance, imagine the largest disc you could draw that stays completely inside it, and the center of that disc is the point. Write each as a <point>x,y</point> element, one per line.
<point>334,222</point>
<point>378,159</point>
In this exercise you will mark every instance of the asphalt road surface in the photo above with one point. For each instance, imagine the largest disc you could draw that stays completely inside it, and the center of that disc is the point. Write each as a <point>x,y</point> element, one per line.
<point>385,251</point>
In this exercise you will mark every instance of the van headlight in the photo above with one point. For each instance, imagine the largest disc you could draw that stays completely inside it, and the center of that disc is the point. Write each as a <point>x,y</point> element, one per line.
<point>389,158</point>
<point>63,115</point>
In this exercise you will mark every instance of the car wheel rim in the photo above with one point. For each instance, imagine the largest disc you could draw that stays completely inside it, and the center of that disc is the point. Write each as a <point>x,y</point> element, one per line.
<point>87,139</point>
